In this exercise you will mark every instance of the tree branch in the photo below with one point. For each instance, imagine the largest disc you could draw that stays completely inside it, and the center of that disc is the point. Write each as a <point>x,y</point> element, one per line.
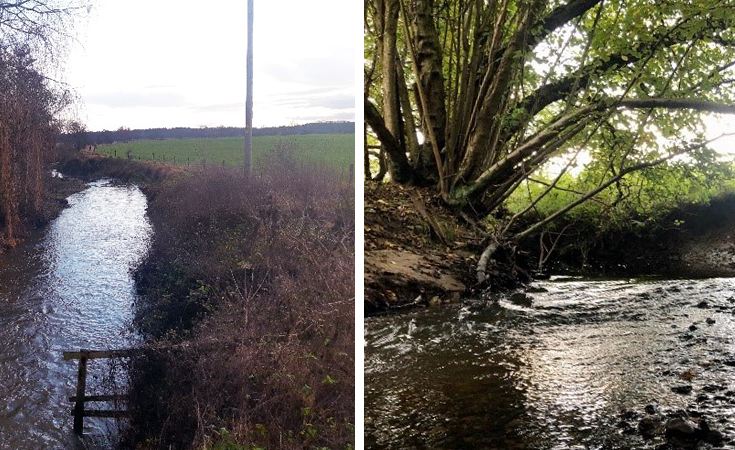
<point>615,179</point>
<point>390,143</point>
<point>678,103</point>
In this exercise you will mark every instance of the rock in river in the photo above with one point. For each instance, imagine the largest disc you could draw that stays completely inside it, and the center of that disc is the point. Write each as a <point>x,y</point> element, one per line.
<point>684,390</point>
<point>650,425</point>
<point>680,427</point>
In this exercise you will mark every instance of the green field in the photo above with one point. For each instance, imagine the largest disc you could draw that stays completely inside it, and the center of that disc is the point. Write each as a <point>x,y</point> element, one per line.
<point>334,150</point>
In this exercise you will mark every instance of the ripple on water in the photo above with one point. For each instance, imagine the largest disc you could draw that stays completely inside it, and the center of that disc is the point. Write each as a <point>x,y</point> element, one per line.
<point>549,368</point>
<point>69,289</point>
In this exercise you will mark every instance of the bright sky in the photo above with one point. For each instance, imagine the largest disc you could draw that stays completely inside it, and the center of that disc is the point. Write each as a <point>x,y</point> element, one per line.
<point>168,63</point>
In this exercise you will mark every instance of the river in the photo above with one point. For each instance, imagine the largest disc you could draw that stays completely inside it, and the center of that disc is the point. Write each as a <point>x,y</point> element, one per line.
<point>559,366</point>
<point>67,288</point>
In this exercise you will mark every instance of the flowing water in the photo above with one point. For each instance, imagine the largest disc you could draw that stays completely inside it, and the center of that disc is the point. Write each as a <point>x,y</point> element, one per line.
<point>555,367</point>
<point>68,289</point>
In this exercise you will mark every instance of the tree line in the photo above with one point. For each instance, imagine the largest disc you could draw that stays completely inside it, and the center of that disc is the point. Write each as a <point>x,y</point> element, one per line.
<point>77,136</point>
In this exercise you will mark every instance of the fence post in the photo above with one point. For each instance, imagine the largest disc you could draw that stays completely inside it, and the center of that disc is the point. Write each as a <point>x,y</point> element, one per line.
<point>352,174</point>
<point>81,385</point>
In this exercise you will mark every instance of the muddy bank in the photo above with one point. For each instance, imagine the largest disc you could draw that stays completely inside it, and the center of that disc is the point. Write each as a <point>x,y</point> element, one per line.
<point>409,263</point>
<point>56,190</point>
<point>406,261</point>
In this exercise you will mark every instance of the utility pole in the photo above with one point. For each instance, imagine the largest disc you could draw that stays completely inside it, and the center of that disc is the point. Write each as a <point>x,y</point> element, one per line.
<point>249,95</point>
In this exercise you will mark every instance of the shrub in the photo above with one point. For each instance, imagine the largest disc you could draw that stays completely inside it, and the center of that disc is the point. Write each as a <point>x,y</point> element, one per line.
<point>247,305</point>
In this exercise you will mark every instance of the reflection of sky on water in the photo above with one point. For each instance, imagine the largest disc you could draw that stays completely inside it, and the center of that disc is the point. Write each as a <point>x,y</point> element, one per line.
<point>69,289</point>
<point>551,369</point>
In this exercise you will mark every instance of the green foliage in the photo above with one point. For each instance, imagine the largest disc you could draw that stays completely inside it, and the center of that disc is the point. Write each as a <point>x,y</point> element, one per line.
<point>617,50</point>
<point>639,199</point>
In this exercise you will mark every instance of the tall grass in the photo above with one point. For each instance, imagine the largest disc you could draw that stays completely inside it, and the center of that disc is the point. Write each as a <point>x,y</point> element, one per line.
<point>247,302</point>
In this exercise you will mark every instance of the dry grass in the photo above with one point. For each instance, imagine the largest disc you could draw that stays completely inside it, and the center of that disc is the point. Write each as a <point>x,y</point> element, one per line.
<point>250,288</point>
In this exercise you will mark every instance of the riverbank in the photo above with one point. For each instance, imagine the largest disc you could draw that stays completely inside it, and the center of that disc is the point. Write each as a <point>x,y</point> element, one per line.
<point>246,305</point>
<point>692,241</point>
<point>408,264</point>
<point>88,165</point>
<point>249,285</point>
<point>406,261</point>
<point>56,190</point>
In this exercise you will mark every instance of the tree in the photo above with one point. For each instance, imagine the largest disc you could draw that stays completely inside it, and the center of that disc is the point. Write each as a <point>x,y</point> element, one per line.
<point>501,87</point>
<point>77,134</point>
<point>29,105</point>
<point>38,22</point>
<point>28,132</point>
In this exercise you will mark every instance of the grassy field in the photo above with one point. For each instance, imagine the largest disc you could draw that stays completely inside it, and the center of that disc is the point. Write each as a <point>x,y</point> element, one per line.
<point>335,150</point>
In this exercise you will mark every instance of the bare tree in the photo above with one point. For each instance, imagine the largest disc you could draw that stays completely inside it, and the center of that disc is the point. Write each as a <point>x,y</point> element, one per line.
<point>29,104</point>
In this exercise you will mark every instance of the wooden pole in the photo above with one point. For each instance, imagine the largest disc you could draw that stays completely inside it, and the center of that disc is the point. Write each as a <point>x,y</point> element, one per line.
<point>249,96</point>
<point>81,385</point>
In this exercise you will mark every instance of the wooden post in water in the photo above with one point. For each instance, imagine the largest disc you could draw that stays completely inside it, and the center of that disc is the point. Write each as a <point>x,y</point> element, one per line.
<point>81,385</point>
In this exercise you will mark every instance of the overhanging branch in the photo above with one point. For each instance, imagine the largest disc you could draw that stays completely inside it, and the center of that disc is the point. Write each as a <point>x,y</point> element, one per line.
<point>678,103</point>
<point>611,181</point>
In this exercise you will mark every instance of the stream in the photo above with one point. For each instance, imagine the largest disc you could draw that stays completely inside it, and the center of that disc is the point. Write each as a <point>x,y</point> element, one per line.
<point>561,365</point>
<point>68,288</point>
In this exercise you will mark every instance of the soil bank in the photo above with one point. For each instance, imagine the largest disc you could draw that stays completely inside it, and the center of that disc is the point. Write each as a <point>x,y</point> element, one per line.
<point>406,264</point>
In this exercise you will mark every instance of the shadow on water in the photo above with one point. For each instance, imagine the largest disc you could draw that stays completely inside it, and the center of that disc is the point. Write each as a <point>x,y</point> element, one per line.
<point>67,289</point>
<point>550,368</point>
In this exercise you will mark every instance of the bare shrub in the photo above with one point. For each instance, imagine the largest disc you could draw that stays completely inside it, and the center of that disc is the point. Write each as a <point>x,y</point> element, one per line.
<point>249,287</point>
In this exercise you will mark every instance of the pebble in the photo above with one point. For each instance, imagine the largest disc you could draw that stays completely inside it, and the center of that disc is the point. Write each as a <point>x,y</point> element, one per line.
<point>679,426</point>
<point>650,425</point>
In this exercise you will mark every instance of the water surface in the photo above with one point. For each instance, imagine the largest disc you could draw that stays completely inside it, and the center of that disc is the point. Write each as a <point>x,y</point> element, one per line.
<point>68,288</point>
<point>554,368</point>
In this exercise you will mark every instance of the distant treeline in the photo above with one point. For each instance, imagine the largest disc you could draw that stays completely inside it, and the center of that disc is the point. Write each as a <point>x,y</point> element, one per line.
<point>126,134</point>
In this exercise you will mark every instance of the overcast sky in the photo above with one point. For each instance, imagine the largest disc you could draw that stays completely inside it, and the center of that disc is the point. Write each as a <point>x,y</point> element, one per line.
<point>168,63</point>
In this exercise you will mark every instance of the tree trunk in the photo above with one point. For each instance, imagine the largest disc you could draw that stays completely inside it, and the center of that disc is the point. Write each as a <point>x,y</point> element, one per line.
<point>391,102</point>
<point>429,62</point>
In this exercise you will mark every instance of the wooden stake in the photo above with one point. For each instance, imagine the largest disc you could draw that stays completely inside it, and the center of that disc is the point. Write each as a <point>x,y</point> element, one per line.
<point>81,385</point>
